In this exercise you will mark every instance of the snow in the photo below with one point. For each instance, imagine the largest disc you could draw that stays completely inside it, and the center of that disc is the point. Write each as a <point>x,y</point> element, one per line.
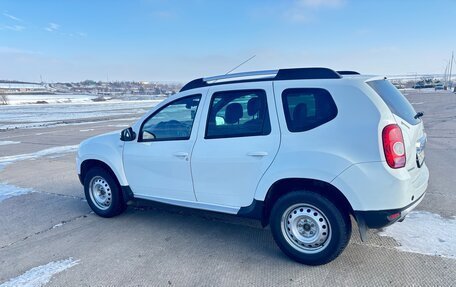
<point>48,98</point>
<point>426,233</point>
<point>8,142</point>
<point>27,116</point>
<point>57,225</point>
<point>41,275</point>
<point>7,191</point>
<point>53,152</point>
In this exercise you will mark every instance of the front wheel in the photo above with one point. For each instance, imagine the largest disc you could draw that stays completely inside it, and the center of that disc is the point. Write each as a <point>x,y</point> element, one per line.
<point>309,228</point>
<point>103,193</point>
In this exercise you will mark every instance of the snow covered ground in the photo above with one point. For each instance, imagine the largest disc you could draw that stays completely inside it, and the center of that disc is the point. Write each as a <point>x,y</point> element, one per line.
<point>49,98</point>
<point>61,110</point>
<point>426,233</point>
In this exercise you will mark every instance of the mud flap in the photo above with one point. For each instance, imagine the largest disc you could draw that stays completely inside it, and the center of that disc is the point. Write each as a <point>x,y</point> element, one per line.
<point>127,194</point>
<point>362,227</point>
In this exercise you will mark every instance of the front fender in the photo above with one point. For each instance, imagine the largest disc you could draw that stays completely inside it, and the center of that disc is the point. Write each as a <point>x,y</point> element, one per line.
<point>106,148</point>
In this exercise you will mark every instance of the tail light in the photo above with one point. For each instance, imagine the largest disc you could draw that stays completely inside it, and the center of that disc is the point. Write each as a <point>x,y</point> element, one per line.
<point>393,146</point>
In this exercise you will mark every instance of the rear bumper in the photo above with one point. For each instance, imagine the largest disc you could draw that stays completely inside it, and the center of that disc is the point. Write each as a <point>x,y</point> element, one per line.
<point>382,218</point>
<point>375,186</point>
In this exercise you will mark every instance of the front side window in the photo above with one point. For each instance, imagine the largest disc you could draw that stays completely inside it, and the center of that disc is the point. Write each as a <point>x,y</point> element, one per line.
<point>238,114</point>
<point>173,122</point>
<point>307,108</point>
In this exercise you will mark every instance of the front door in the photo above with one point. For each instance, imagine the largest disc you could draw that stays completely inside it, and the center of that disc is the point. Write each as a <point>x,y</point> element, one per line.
<point>158,164</point>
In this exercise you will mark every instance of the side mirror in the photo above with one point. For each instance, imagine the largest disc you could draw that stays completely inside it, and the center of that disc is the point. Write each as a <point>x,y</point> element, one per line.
<point>127,135</point>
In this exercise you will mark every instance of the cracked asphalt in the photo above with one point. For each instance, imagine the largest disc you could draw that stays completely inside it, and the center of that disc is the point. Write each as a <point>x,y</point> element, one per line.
<point>157,245</point>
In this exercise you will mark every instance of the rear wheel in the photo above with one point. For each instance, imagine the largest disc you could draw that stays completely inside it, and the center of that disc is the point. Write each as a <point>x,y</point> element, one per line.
<point>309,228</point>
<point>103,193</point>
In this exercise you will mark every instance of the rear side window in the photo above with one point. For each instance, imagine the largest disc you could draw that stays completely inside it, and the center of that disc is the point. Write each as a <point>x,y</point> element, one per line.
<point>238,114</point>
<point>307,108</point>
<point>394,99</point>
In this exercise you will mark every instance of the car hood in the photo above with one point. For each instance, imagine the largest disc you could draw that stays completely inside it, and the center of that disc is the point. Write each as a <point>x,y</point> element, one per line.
<point>110,139</point>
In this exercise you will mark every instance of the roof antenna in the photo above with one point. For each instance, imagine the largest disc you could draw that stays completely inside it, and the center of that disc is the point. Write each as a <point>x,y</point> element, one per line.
<point>240,64</point>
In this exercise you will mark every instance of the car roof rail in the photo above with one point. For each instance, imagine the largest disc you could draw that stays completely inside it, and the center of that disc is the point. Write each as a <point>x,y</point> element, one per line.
<point>266,75</point>
<point>348,73</point>
<point>261,74</point>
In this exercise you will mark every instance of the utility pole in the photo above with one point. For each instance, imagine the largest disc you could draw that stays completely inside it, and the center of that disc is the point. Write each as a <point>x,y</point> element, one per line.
<point>451,70</point>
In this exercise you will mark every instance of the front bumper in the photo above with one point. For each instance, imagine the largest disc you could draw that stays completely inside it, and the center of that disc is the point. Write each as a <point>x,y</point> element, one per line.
<point>382,218</point>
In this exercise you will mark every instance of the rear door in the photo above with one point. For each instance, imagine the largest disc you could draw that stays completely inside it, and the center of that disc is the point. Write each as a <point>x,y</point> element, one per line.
<point>411,125</point>
<point>237,141</point>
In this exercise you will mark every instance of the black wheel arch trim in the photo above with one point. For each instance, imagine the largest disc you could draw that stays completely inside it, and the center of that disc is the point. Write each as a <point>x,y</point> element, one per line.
<point>253,211</point>
<point>127,193</point>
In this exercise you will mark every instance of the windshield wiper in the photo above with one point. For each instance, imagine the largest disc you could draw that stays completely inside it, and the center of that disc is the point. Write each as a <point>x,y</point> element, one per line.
<point>418,115</point>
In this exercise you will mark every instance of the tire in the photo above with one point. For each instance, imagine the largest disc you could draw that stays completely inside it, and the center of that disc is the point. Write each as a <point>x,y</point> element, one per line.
<point>309,228</point>
<point>103,193</point>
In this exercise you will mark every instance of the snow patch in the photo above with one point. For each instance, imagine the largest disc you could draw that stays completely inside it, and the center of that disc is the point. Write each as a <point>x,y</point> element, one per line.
<point>41,275</point>
<point>8,190</point>
<point>8,142</point>
<point>53,152</point>
<point>426,233</point>
<point>57,225</point>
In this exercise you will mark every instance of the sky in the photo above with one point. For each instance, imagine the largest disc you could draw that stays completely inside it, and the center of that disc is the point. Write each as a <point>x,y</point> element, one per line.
<point>177,41</point>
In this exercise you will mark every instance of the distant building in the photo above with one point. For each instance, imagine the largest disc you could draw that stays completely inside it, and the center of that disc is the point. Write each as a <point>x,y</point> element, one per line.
<point>20,87</point>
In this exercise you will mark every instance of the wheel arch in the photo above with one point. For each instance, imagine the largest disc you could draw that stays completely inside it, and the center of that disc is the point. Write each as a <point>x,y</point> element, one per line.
<point>88,164</point>
<point>287,185</point>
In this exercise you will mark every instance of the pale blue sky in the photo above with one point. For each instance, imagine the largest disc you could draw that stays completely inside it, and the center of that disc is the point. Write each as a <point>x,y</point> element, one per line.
<point>181,40</point>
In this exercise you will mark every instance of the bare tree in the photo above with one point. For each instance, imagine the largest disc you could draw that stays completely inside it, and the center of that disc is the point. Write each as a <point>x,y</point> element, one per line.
<point>3,99</point>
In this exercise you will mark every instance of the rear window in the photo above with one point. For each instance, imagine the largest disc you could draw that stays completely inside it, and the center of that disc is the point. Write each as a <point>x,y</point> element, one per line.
<point>307,108</point>
<point>394,99</point>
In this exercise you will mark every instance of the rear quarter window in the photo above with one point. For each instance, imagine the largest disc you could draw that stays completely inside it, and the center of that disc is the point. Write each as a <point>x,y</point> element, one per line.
<point>395,100</point>
<point>307,108</point>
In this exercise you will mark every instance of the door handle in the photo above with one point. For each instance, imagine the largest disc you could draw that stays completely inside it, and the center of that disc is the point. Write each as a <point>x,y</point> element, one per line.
<point>181,154</point>
<point>257,153</point>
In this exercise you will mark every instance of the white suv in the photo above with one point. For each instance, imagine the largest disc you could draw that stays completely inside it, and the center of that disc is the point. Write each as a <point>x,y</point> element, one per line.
<point>298,149</point>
